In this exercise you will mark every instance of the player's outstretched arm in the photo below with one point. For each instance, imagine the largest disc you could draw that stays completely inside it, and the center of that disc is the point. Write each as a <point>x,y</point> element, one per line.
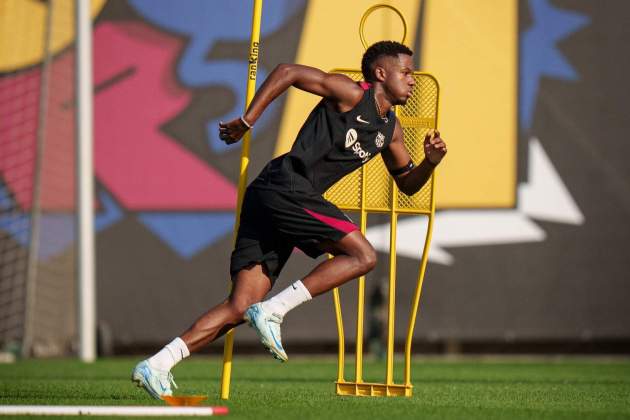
<point>339,89</point>
<point>410,178</point>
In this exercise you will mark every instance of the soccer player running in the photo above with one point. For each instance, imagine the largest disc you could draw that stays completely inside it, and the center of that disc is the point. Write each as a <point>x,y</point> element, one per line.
<point>283,207</point>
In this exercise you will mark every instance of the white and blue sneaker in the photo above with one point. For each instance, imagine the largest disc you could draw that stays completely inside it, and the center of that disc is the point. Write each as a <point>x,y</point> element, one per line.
<point>268,329</point>
<point>156,382</point>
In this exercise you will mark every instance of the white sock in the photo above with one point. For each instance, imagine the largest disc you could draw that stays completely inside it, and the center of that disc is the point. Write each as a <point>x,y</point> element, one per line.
<point>287,299</point>
<point>170,355</point>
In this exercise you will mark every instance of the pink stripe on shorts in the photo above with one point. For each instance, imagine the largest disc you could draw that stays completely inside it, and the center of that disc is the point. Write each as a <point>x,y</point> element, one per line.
<point>341,225</point>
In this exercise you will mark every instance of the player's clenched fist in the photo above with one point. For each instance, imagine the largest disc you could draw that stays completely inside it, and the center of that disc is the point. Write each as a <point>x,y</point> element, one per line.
<point>232,131</point>
<point>434,147</point>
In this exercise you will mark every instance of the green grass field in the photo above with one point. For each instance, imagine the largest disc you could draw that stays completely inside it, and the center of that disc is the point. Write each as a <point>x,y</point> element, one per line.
<point>304,388</point>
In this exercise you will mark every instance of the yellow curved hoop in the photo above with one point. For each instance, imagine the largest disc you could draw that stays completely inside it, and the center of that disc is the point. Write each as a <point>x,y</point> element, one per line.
<point>369,11</point>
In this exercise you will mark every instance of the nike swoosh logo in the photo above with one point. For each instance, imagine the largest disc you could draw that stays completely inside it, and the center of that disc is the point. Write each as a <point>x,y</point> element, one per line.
<point>147,374</point>
<point>362,120</point>
<point>278,345</point>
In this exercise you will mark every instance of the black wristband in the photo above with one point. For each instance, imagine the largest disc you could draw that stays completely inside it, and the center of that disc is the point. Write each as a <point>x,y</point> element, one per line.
<point>403,170</point>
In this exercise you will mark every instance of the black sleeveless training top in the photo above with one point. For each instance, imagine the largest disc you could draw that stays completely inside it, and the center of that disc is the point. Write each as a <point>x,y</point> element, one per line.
<point>330,145</point>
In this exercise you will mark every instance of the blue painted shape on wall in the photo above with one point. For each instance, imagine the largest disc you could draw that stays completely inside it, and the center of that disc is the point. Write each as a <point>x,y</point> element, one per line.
<point>237,84</point>
<point>109,214</point>
<point>12,220</point>
<point>204,23</point>
<point>17,225</point>
<point>539,53</point>
<point>56,234</point>
<point>57,231</point>
<point>5,199</point>
<point>188,233</point>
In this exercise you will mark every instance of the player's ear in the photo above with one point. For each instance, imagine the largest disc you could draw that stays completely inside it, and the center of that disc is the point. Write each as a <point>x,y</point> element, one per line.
<point>379,73</point>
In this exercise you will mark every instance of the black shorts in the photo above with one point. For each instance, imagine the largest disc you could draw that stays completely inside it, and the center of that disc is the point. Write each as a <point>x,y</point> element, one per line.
<point>273,222</point>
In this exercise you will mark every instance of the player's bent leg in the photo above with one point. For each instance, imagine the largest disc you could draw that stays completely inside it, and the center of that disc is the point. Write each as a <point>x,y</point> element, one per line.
<point>354,257</point>
<point>250,285</point>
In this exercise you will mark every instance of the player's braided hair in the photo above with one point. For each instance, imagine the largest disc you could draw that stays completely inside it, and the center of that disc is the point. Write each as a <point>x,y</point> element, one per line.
<point>379,49</point>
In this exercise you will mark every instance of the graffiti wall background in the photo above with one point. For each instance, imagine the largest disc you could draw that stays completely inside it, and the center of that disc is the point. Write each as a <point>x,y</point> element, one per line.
<point>529,242</point>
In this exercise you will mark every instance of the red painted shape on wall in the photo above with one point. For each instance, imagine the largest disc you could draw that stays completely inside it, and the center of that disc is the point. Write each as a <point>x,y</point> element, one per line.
<point>18,130</point>
<point>19,120</point>
<point>136,93</point>
<point>140,165</point>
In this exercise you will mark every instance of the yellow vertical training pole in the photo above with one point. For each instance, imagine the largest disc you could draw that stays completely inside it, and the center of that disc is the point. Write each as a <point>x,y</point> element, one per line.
<point>242,180</point>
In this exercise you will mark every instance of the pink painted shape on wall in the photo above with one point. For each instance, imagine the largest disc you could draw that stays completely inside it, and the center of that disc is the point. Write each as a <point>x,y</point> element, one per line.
<point>18,130</point>
<point>141,166</point>
<point>19,120</point>
<point>58,163</point>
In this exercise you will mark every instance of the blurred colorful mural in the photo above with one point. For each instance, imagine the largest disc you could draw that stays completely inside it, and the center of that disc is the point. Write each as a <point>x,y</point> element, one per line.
<point>533,199</point>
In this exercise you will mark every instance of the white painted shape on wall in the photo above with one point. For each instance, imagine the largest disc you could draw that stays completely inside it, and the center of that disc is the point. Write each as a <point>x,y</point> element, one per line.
<point>543,197</point>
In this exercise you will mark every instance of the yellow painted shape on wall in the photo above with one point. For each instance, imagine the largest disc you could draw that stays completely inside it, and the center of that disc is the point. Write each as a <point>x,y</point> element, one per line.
<point>471,47</point>
<point>330,39</point>
<point>23,25</point>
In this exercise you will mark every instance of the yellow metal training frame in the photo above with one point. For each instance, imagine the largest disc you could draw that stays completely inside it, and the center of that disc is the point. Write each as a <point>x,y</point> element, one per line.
<point>370,189</point>
<point>242,181</point>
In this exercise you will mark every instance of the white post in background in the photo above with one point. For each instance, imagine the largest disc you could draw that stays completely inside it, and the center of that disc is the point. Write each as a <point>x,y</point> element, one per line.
<point>85,184</point>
